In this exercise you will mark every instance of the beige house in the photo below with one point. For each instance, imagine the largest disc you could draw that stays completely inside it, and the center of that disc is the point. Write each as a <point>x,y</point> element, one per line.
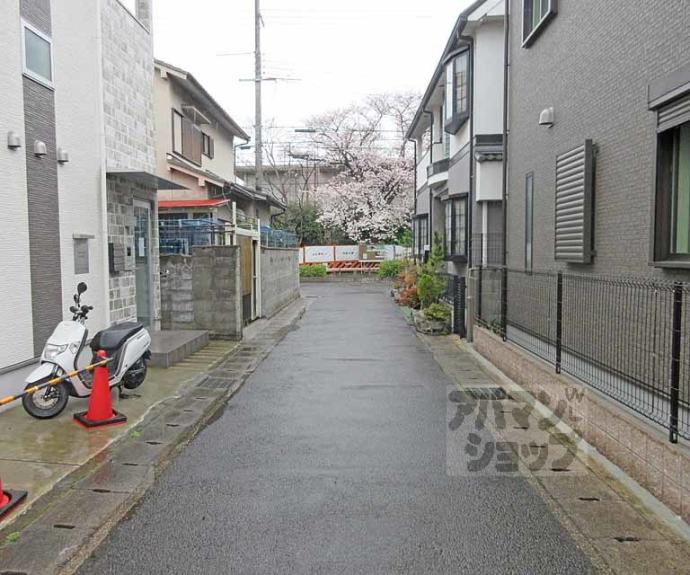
<point>195,147</point>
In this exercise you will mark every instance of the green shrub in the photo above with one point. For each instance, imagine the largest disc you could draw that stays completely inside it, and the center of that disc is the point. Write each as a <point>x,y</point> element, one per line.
<point>438,312</point>
<point>313,271</point>
<point>430,284</point>
<point>390,268</point>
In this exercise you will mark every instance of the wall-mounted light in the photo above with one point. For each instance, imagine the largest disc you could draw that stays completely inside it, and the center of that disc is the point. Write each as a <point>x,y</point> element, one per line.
<point>546,117</point>
<point>40,148</point>
<point>14,141</point>
<point>62,156</point>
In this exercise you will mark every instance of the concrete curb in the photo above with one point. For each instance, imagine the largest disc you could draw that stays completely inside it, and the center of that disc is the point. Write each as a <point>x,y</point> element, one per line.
<point>171,426</point>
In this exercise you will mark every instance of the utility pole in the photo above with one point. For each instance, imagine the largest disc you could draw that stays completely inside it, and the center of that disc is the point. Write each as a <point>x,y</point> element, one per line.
<point>258,79</point>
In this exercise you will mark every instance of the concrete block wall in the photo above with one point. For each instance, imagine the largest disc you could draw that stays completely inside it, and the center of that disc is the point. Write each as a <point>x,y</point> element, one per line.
<point>202,291</point>
<point>216,290</point>
<point>638,447</point>
<point>177,302</point>
<point>279,279</point>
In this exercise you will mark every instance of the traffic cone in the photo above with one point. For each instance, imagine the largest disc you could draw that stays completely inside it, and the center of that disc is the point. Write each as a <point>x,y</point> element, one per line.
<point>9,499</point>
<point>101,410</point>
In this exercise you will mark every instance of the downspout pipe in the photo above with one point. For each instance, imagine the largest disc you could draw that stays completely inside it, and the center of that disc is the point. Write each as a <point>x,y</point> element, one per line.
<point>430,219</point>
<point>504,191</point>
<point>470,204</point>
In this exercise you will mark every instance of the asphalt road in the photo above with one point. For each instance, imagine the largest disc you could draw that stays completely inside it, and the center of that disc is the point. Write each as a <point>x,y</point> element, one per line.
<point>333,459</point>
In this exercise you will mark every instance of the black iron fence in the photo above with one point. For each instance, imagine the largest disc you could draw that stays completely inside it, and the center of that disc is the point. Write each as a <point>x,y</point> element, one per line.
<point>628,338</point>
<point>454,294</point>
<point>487,250</point>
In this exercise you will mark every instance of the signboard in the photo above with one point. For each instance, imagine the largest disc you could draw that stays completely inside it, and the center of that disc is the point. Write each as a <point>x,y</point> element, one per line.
<point>318,254</point>
<point>346,253</point>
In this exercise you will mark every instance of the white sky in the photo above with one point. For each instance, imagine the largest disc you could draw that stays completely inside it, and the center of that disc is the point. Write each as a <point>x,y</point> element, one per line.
<point>341,50</point>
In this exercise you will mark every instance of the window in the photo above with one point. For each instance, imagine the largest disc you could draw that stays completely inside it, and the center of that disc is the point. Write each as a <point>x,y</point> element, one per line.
<point>38,55</point>
<point>456,228</point>
<point>207,145</point>
<point>529,220</point>
<point>673,192</point>
<point>535,15</point>
<point>81,256</point>
<point>177,132</point>
<point>457,91</point>
<point>421,231</point>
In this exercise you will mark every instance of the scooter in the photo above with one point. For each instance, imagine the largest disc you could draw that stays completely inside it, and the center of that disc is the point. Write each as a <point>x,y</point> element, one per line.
<point>127,344</point>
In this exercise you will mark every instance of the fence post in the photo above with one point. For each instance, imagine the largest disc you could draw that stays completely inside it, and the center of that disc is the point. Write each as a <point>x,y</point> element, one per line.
<point>559,320</point>
<point>461,305</point>
<point>479,292</point>
<point>675,359</point>
<point>504,302</point>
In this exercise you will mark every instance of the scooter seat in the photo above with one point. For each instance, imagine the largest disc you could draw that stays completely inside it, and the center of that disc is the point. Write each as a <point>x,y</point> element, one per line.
<point>112,338</point>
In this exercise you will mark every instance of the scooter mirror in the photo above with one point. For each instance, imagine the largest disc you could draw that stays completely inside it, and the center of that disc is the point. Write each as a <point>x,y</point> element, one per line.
<point>81,288</point>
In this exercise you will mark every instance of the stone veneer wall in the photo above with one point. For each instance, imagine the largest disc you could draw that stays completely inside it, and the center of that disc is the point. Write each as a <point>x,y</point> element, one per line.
<point>121,195</point>
<point>129,142</point>
<point>639,448</point>
<point>279,279</point>
<point>202,291</point>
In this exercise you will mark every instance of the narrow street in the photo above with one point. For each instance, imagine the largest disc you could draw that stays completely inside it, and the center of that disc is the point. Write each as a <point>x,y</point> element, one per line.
<point>333,459</point>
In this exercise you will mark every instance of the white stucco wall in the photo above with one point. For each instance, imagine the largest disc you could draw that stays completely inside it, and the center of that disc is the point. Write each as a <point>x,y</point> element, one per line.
<point>78,123</point>
<point>16,338</point>
<point>488,78</point>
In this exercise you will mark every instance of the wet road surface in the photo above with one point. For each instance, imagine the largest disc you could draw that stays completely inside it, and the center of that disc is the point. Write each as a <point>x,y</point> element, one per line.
<point>333,459</point>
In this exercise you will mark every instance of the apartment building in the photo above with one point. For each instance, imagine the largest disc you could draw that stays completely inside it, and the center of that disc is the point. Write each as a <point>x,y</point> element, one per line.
<point>458,135</point>
<point>74,164</point>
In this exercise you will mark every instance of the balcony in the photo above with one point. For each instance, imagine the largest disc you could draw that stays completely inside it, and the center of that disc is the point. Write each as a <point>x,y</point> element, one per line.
<point>437,173</point>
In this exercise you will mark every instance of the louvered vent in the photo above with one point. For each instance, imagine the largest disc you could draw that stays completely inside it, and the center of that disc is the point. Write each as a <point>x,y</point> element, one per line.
<point>673,114</point>
<point>574,181</point>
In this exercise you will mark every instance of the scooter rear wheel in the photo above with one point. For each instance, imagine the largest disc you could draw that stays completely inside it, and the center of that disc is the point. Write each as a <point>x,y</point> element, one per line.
<point>47,402</point>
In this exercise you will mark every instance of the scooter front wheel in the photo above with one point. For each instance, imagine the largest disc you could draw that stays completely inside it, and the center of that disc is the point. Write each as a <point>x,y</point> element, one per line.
<point>47,402</point>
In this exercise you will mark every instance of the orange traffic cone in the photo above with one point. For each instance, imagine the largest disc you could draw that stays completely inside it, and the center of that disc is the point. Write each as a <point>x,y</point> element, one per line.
<point>9,499</point>
<point>101,410</point>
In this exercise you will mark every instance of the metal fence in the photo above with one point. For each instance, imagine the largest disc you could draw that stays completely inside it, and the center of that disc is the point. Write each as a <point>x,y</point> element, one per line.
<point>180,236</point>
<point>272,238</point>
<point>454,294</point>
<point>487,250</point>
<point>628,338</point>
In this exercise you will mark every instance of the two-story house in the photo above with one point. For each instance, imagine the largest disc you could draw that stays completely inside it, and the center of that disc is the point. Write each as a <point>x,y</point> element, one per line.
<point>458,132</point>
<point>195,147</point>
<point>77,168</point>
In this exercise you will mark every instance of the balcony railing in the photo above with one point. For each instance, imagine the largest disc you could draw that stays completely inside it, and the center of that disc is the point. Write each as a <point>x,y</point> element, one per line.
<point>438,167</point>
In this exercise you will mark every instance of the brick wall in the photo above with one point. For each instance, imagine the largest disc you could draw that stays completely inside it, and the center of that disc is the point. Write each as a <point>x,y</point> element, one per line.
<point>593,64</point>
<point>636,446</point>
<point>279,279</point>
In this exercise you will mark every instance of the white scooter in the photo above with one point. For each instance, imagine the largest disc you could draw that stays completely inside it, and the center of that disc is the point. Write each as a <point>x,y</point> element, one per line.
<point>126,343</point>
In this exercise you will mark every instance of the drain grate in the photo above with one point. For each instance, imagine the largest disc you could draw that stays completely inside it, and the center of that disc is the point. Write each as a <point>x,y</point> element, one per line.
<point>626,539</point>
<point>99,490</point>
<point>214,382</point>
<point>63,526</point>
<point>589,499</point>
<point>487,393</point>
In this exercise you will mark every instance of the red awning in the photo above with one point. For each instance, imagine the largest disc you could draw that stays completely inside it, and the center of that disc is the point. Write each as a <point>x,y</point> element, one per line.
<point>190,203</point>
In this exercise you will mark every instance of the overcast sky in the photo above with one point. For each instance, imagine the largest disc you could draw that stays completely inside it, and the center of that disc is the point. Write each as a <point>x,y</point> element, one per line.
<point>337,51</point>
